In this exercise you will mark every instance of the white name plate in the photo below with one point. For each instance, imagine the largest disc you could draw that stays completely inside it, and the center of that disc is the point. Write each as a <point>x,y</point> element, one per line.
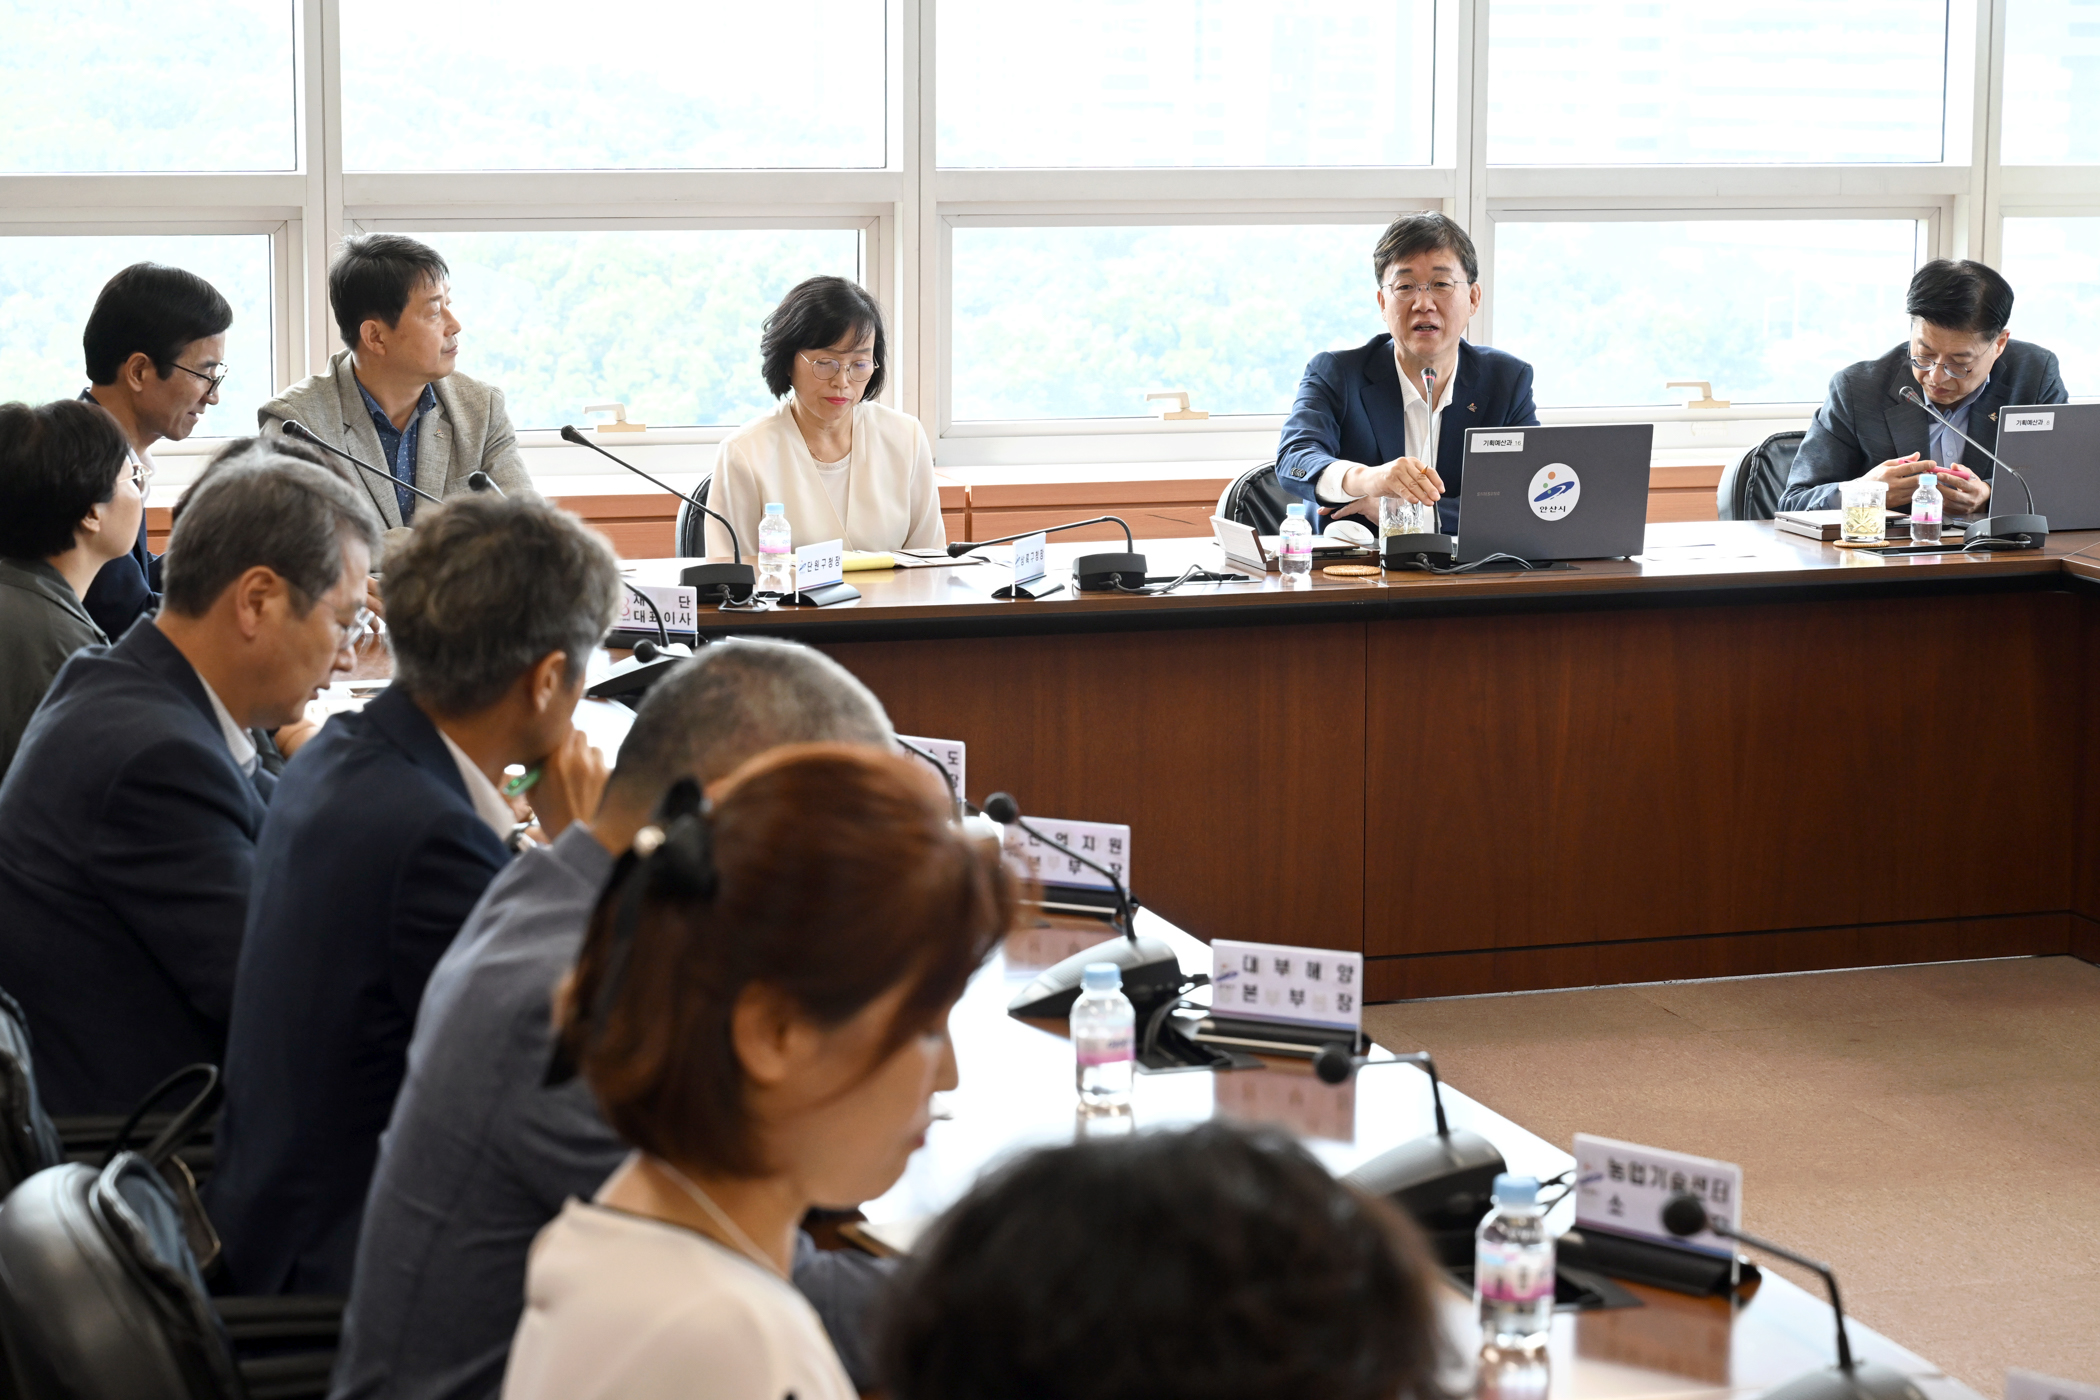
<point>2030,423</point>
<point>1030,556</point>
<point>1495,442</point>
<point>679,607</point>
<point>1622,1187</point>
<point>949,753</point>
<point>1049,862</point>
<point>819,564</point>
<point>2033,1385</point>
<point>1272,982</point>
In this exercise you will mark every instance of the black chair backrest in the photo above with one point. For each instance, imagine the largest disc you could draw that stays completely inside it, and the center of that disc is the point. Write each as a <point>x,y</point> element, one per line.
<point>99,1296</point>
<point>1750,489</point>
<point>692,525</point>
<point>1256,498</point>
<point>28,1141</point>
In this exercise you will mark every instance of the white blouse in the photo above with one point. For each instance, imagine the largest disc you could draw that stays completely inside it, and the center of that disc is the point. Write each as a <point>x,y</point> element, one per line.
<point>881,497</point>
<point>620,1307</point>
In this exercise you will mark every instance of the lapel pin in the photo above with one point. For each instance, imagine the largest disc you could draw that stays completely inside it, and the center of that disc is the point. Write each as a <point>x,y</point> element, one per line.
<point>1472,408</point>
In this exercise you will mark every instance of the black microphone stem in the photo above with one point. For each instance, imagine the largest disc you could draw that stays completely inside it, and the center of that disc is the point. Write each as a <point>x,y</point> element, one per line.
<point>1814,1266</point>
<point>1123,900</point>
<point>954,793</point>
<point>962,547</point>
<point>663,637</point>
<point>1915,397</point>
<point>293,428</point>
<point>736,549</point>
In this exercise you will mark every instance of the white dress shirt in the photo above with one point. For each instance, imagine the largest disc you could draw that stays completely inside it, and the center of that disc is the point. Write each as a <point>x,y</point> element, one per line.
<point>1424,426</point>
<point>488,802</point>
<point>882,497</point>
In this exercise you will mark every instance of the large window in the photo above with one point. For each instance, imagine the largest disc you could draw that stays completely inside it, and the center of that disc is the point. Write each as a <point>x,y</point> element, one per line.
<point>1764,309</point>
<point>2052,82</point>
<point>665,321</point>
<point>2054,267</point>
<point>48,286</point>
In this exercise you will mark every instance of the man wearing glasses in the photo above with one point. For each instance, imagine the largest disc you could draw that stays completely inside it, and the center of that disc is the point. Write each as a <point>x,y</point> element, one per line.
<point>390,398</point>
<point>155,346</point>
<point>1390,418</point>
<point>1966,364</point>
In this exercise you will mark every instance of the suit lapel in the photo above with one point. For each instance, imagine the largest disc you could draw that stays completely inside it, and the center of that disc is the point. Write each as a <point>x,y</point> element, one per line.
<point>1384,404</point>
<point>434,449</point>
<point>361,440</point>
<point>397,716</point>
<point>1910,430</point>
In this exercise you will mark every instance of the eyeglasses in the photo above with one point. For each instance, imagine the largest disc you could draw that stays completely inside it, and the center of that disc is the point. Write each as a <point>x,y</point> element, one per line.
<point>360,629</point>
<point>215,378</point>
<point>859,371</point>
<point>1439,289</point>
<point>1952,368</point>
<point>141,477</point>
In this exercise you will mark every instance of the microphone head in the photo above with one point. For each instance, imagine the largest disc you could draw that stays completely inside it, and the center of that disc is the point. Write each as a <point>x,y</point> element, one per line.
<point>646,651</point>
<point>959,548</point>
<point>294,428</point>
<point>1334,1064</point>
<point>1906,392</point>
<point>1002,808</point>
<point>1684,1215</point>
<point>569,434</point>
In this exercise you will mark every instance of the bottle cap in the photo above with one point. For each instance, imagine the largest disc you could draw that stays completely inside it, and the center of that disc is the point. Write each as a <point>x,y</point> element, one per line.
<point>1516,1190</point>
<point>1298,508</point>
<point>776,508</point>
<point>1102,977</point>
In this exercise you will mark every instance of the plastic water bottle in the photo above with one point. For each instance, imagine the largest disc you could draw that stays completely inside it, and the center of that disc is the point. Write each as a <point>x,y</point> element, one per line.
<point>1926,510</point>
<point>1104,1035</point>
<point>1297,546</point>
<point>776,551</point>
<point>1513,1269</point>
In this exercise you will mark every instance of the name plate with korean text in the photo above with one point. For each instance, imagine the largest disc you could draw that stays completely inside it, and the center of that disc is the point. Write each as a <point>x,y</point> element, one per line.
<point>1499,442</point>
<point>1622,1187</point>
<point>1301,986</point>
<point>1031,555</point>
<point>679,606</point>
<point>1049,863</point>
<point>819,564</point>
<point>2030,422</point>
<point>949,753</point>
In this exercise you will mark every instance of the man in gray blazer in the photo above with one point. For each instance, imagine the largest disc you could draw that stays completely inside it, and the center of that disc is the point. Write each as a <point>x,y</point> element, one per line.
<point>391,398</point>
<point>1963,361</point>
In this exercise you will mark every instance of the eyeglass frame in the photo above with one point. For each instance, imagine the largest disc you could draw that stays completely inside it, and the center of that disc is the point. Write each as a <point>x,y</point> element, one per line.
<point>141,476</point>
<point>215,380</point>
<point>1408,289</point>
<point>365,625</point>
<point>1943,364</point>
<point>844,367</point>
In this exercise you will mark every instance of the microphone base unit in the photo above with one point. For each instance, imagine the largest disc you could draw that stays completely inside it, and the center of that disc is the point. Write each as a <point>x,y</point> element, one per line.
<point>631,679</point>
<point>1445,1181</point>
<point>1867,1380</point>
<point>1689,1271</point>
<point>1106,573</point>
<point>2021,531</point>
<point>822,596</point>
<point>1151,974</point>
<point>720,582</point>
<point>1404,551</point>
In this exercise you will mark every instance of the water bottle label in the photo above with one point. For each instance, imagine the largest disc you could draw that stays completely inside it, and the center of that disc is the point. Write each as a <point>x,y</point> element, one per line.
<point>1297,546</point>
<point>1513,1273</point>
<point>1929,515</point>
<point>1104,1050</point>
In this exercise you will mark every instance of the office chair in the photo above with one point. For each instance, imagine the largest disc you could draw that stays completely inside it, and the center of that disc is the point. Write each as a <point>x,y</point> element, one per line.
<point>1256,498</point>
<point>1750,489</point>
<point>692,525</point>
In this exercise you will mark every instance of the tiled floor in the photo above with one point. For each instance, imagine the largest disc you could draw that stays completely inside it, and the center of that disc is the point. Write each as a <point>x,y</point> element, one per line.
<point>1933,1132</point>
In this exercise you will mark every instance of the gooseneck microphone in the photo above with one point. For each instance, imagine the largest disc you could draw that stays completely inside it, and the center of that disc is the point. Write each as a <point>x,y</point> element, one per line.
<point>718,583</point>
<point>1096,573</point>
<point>955,796</point>
<point>2027,530</point>
<point>1002,808</point>
<point>482,481</point>
<point>663,635</point>
<point>1335,1063</point>
<point>1445,1180</point>
<point>1686,1215</point>
<point>294,428</point>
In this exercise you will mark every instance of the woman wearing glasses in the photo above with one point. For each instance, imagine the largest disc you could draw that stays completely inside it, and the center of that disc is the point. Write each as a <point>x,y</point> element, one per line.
<point>844,466</point>
<point>71,499</point>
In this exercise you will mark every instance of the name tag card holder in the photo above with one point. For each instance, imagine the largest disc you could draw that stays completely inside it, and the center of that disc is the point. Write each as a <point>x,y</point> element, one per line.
<point>1620,1191</point>
<point>820,573</point>
<point>1276,1000</point>
<point>1031,562</point>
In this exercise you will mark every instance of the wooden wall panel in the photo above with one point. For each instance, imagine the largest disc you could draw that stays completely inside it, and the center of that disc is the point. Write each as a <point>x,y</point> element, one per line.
<point>1591,777</point>
<point>1236,756</point>
<point>1683,493</point>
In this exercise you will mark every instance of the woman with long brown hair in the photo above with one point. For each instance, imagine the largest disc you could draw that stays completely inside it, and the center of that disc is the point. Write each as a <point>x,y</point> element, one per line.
<point>761,1010</point>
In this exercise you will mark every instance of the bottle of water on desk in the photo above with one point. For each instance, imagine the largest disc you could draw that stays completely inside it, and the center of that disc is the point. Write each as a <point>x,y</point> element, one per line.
<point>1295,545</point>
<point>1513,1269</point>
<point>776,551</point>
<point>1927,510</point>
<point>1104,1033</point>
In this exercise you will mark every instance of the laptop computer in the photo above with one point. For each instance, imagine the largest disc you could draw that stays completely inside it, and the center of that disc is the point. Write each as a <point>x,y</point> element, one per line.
<point>2056,448</point>
<point>1578,491</point>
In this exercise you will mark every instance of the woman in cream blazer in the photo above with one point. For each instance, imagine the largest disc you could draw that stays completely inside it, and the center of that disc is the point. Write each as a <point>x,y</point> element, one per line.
<point>845,466</point>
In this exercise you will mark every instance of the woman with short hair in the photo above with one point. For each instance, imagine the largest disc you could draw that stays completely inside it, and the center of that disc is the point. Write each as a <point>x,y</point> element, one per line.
<point>845,467</point>
<point>761,1010</point>
<point>71,500</point>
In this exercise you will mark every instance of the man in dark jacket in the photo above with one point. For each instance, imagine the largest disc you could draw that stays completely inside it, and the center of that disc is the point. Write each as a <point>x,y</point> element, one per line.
<point>384,831</point>
<point>1390,418</point>
<point>1963,361</point>
<point>128,819</point>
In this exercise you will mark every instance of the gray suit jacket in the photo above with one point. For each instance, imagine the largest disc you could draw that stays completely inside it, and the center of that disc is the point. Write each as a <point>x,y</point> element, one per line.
<point>468,432</point>
<point>1865,421</point>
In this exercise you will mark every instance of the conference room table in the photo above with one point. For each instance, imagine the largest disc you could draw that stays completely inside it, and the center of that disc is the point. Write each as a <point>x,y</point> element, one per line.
<point>1016,1093</point>
<point>1741,751</point>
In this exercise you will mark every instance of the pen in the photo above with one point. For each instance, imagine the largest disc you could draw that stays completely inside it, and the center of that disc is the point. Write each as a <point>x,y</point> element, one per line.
<point>522,783</point>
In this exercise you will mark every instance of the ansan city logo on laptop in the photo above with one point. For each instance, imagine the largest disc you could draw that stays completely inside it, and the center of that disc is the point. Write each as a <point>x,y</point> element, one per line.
<point>1554,491</point>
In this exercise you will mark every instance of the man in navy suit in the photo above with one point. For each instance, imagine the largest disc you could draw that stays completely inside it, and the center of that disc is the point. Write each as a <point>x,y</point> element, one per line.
<point>384,831</point>
<point>1390,418</point>
<point>129,817</point>
<point>1962,360</point>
